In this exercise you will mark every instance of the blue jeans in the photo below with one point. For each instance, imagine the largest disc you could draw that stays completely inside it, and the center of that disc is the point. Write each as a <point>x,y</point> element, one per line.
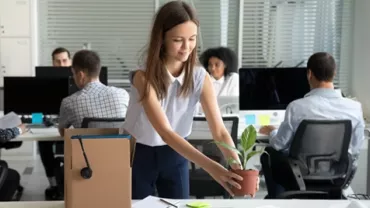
<point>160,168</point>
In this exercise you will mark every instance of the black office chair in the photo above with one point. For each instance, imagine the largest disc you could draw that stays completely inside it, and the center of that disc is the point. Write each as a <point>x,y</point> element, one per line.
<point>89,122</point>
<point>200,182</point>
<point>13,190</point>
<point>3,172</point>
<point>319,159</point>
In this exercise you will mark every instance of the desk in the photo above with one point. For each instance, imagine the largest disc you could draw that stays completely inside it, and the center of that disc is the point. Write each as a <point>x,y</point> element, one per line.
<point>215,203</point>
<point>52,134</point>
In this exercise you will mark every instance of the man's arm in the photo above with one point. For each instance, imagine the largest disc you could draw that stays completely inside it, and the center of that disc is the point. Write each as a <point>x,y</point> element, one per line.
<point>65,114</point>
<point>281,138</point>
<point>9,133</point>
<point>358,137</point>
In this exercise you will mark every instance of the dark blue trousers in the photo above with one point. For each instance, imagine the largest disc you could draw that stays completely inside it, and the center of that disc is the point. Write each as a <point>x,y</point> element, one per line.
<point>159,168</point>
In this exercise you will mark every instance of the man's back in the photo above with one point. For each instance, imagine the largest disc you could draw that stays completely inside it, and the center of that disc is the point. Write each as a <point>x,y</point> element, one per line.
<point>94,100</point>
<point>323,104</point>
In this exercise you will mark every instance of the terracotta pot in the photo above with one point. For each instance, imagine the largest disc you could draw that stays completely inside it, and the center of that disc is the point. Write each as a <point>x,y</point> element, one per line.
<point>249,183</point>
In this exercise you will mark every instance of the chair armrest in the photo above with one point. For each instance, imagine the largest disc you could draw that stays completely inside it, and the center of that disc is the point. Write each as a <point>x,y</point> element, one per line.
<point>303,195</point>
<point>11,145</point>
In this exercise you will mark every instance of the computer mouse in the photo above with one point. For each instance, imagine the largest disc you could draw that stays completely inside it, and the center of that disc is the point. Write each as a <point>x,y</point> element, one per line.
<point>356,204</point>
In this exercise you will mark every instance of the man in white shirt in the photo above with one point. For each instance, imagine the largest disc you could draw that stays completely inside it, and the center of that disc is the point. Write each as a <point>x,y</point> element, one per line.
<point>321,103</point>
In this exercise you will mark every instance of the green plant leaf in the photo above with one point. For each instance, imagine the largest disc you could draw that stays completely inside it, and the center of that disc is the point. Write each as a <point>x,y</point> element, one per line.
<point>244,158</point>
<point>248,137</point>
<point>253,153</point>
<point>231,161</point>
<point>223,144</point>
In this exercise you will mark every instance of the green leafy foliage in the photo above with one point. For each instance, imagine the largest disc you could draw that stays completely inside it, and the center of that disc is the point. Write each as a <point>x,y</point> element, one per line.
<point>245,150</point>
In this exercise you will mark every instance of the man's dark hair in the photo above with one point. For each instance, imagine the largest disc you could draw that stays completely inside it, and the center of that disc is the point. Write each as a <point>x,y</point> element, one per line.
<point>60,50</point>
<point>87,61</point>
<point>226,55</point>
<point>323,66</point>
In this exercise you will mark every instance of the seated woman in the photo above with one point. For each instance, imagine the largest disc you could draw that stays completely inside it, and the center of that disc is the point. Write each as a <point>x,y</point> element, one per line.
<point>222,64</point>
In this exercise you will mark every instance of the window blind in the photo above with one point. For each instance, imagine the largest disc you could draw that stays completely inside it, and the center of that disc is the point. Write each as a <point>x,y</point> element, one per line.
<point>116,29</point>
<point>292,30</point>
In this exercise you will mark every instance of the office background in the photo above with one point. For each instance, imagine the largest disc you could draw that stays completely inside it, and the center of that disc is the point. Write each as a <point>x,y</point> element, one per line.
<point>262,32</point>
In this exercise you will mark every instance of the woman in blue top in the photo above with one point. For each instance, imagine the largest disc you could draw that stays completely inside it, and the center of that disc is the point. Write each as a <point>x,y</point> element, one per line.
<point>160,113</point>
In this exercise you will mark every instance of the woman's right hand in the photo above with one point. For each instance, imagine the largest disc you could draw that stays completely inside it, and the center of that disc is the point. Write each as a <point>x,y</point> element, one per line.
<point>224,177</point>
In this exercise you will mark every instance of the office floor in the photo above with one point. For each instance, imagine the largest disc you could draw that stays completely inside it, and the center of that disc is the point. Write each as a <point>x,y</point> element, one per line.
<point>34,181</point>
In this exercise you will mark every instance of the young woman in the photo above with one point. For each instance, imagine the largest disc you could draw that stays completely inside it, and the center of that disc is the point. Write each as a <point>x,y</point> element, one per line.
<point>222,64</point>
<point>160,113</point>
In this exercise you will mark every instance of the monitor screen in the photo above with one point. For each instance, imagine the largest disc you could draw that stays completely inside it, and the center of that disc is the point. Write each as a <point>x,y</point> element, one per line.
<point>27,95</point>
<point>271,88</point>
<point>63,72</point>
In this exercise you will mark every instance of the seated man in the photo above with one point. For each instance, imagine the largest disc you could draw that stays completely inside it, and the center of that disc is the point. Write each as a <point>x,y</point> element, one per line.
<point>93,100</point>
<point>61,57</point>
<point>322,102</point>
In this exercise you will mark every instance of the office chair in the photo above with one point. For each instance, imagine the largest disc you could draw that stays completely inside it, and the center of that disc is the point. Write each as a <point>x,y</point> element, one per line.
<point>200,182</point>
<point>319,160</point>
<point>13,191</point>
<point>3,172</point>
<point>89,122</point>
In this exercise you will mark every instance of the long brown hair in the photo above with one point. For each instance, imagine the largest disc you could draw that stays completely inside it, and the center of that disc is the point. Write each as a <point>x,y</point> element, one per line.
<point>168,16</point>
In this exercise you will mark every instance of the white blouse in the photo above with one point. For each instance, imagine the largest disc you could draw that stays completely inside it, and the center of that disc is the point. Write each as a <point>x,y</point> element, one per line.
<point>175,107</point>
<point>223,87</point>
<point>227,86</point>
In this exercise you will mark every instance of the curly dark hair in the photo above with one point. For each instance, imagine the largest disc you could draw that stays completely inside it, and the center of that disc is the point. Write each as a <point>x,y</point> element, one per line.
<point>226,55</point>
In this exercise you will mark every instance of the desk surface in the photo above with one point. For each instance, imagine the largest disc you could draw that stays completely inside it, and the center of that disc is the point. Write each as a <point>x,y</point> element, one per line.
<point>52,134</point>
<point>215,203</point>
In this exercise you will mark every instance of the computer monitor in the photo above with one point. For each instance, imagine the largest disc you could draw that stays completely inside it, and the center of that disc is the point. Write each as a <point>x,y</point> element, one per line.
<point>271,88</point>
<point>66,72</point>
<point>27,95</point>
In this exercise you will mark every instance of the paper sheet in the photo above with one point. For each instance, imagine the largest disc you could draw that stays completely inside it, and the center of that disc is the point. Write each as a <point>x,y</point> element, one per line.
<point>10,120</point>
<point>152,202</point>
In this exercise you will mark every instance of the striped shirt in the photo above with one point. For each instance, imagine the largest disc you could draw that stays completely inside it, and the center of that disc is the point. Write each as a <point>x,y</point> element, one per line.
<point>179,110</point>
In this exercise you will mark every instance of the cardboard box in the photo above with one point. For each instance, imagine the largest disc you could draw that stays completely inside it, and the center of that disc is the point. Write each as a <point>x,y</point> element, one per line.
<point>110,156</point>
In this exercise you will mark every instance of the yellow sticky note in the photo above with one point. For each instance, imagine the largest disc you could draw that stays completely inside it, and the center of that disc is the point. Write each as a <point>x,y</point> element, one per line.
<point>263,120</point>
<point>198,205</point>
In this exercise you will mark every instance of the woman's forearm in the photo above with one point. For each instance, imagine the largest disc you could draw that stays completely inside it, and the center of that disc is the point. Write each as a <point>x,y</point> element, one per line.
<point>226,138</point>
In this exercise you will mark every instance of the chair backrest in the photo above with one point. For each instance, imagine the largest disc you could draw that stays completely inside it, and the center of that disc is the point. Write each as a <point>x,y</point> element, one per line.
<point>206,146</point>
<point>89,122</point>
<point>321,149</point>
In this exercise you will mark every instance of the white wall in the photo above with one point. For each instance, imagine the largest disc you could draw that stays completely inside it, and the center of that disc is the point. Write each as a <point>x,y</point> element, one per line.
<point>361,55</point>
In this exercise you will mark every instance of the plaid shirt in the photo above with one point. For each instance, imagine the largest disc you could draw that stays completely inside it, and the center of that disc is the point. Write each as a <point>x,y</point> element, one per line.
<point>94,100</point>
<point>8,134</point>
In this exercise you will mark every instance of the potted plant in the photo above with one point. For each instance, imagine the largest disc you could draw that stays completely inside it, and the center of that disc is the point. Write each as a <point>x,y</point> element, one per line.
<point>245,151</point>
